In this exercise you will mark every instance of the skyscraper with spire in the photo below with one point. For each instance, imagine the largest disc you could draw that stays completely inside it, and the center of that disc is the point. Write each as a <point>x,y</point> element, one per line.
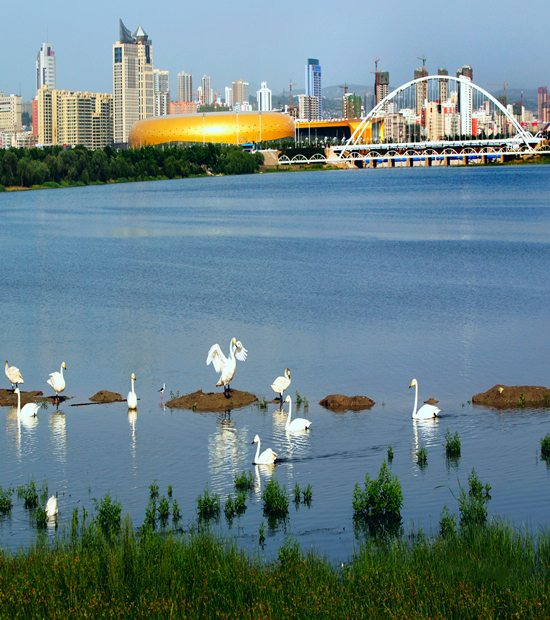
<point>133,81</point>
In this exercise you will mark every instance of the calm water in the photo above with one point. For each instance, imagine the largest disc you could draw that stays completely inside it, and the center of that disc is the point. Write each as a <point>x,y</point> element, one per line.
<point>356,280</point>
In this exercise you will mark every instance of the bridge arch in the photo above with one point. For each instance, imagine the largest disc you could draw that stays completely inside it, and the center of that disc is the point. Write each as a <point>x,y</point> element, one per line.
<point>354,139</point>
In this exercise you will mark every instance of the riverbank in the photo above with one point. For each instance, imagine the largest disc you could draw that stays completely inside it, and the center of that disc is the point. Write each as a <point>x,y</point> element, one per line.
<point>487,572</point>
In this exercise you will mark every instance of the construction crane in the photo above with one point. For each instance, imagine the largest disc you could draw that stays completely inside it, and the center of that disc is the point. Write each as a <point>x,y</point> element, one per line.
<point>504,85</point>
<point>345,87</point>
<point>291,85</point>
<point>376,79</point>
<point>423,59</point>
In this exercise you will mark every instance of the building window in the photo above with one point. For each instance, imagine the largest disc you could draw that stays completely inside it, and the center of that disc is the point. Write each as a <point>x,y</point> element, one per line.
<point>118,54</point>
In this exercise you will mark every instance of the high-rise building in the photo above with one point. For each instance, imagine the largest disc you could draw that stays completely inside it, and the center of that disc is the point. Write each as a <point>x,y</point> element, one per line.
<point>71,118</point>
<point>240,92</point>
<point>263,97</point>
<point>543,105</point>
<point>308,108</point>
<point>421,89</point>
<point>10,113</point>
<point>161,89</point>
<point>229,97</point>
<point>351,106</point>
<point>133,84</point>
<point>313,83</point>
<point>382,87</point>
<point>434,121</point>
<point>443,85</point>
<point>465,100</point>
<point>45,67</point>
<point>207,92</point>
<point>185,86</point>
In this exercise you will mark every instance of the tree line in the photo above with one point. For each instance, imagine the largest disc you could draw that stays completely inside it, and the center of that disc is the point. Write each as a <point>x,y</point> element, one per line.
<point>57,166</point>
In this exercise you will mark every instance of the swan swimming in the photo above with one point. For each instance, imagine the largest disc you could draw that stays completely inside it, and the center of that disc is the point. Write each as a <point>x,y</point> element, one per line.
<point>267,457</point>
<point>29,410</point>
<point>132,398</point>
<point>426,411</point>
<point>226,365</point>
<point>51,507</point>
<point>14,376</point>
<point>281,384</point>
<point>299,424</point>
<point>57,381</point>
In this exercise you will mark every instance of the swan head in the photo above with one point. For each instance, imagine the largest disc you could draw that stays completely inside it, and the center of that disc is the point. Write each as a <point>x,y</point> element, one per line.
<point>134,377</point>
<point>288,399</point>
<point>287,373</point>
<point>413,382</point>
<point>256,439</point>
<point>63,366</point>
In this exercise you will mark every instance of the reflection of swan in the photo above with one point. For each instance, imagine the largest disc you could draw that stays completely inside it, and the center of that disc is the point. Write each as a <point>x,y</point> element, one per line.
<point>132,398</point>
<point>267,457</point>
<point>29,410</point>
<point>281,384</point>
<point>13,374</point>
<point>51,507</point>
<point>299,424</point>
<point>426,411</point>
<point>226,365</point>
<point>57,381</point>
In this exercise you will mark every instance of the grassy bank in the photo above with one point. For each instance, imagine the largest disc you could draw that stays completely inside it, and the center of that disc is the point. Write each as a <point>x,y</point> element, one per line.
<point>486,572</point>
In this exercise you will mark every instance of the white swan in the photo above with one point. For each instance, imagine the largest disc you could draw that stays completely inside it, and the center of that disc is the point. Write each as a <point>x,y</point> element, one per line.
<point>51,507</point>
<point>267,457</point>
<point>226,365</point>
<point>132,398</point>
<point>299,424</point>
<point>29,410</point>
<point>281,384</point>
<point>13,374</point>
<point>57,381</point>
<point>426,411</point>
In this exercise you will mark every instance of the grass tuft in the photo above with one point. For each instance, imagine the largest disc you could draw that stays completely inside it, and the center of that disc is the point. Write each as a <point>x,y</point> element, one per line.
<point>452,444</point>
<point>208,505</point>
<point>545,446</point>
<point>244,481</point>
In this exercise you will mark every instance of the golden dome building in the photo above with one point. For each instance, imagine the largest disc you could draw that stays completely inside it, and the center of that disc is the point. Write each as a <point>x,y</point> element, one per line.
<point>212,127</point>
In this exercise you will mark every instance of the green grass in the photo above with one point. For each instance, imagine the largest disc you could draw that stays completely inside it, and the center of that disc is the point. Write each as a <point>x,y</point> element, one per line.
<point>545,446</point>
<point>422,456</point>
<point>275,500</point>
<point>452,444</point>
<point>28,493</point>
<point>494,571</point>
<point>208,505</point>
<point>244,481</point>
<point>6,502</point>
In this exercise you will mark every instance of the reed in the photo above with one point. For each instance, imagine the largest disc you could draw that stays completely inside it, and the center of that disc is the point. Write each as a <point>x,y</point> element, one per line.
<point>495,572</point>
<point>6,502</point>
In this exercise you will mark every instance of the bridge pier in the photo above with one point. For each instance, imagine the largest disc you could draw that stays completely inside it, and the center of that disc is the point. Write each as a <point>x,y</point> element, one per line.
<point>410,162</point>
<point>465,160</point>
<point>427,161</point>
<point>445,160</point>
<point>484,158</point>
<point>372,163</point>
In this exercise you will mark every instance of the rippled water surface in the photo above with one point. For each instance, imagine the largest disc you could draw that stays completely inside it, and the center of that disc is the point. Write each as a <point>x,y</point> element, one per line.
<point>358,281</point>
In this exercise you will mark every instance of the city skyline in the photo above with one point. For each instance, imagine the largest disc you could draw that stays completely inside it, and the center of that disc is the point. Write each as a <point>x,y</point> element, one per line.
<point>490,42</point>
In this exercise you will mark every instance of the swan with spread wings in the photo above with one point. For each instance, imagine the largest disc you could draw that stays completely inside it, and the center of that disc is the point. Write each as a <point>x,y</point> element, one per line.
<point>226,365</point>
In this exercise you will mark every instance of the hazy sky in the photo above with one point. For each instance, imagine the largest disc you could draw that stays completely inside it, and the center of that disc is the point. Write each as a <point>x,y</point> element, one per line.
<point>502,40</point>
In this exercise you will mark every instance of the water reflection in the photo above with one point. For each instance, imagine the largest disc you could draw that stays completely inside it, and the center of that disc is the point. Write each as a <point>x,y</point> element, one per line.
<point>13,428</point>
<point>58,427</point>
<point>262,471</point>
<point>425,433</point>
<point>132,419</point>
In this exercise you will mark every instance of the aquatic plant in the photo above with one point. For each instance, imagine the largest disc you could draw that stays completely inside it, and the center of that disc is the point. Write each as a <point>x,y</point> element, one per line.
<point>176,512</point>
<point>422,456</point>
<point>289,552</point>
<point>473,505</point>
<point>164,509</point>
<point>261,403</point>
<point>151,514</point>
<point>447,523</point>
<point>244,481</point>
<point>108,513</point>
<point>261,532</point>
<point>275,500</point>
<point>307,495</point>
<point>299,399</point>
<point>297,494</point>
<point>28,493</point>
<point>41,517</point>
<point>545,446</point>
<point>6,503</point>
<point>174,396</point>
<point>390,454</point>
<point>170,491</point>
<point>236,506</point>
<point>153,490</point>
<point>521,400</point>
<point>452,444</point>
<point>208,505</point>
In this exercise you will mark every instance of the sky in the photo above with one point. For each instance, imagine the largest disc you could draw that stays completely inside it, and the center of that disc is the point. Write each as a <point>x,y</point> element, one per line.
<point>503,41</point>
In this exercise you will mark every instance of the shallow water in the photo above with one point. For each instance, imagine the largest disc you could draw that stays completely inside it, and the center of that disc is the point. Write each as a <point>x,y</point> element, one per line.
<point>358,281</point>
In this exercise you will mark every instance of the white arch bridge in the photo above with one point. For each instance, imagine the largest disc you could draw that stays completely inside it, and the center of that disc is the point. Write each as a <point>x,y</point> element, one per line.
<point>358,151</point>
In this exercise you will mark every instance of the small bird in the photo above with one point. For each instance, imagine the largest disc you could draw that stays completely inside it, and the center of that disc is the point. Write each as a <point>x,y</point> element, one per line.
<point>281,384</point>
<point>162,392</point>
<point>13,374</point>
<point>132,398</point>
<point>51,507</point>
<point>29,410</point>
<point>226,365</point>
<point>267,457</point>
<point>57,381</point>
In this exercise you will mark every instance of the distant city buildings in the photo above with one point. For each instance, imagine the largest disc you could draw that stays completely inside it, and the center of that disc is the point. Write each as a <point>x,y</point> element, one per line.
<point>229,97</point>
<point>185,86</point>
<point>161,89</point>
<point>313,83</point>
<point>182,107</point>
<point>133,83</point>
<point>240,93</point>
<point>351,106</point>
<point>308,108</point>
<point>264,99</point>
<point>206,89</point>
<point>543,109</point>
<point>382,87</point>
<point>45,67</point>
<point>10,113</point>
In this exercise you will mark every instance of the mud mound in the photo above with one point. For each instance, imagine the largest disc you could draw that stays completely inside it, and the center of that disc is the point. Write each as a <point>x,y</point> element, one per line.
<point>431,401</point>
<point>104,396</point>
<point>9,398</point>
<point>513,396</point>
<point>339,402</point>
<point>199,401</point>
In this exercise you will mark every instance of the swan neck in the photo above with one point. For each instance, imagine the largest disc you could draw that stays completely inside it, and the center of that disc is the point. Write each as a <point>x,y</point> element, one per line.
<point>132,385</point>
<point>61,370</point>
<point>289,414</point>
<point>257,453</point>
<point>415,400</point>
<point>18,403</point>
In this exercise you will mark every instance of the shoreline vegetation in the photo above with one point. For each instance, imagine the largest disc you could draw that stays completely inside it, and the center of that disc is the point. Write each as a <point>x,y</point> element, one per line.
<point>55,167</point>
<point>489,571</point>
